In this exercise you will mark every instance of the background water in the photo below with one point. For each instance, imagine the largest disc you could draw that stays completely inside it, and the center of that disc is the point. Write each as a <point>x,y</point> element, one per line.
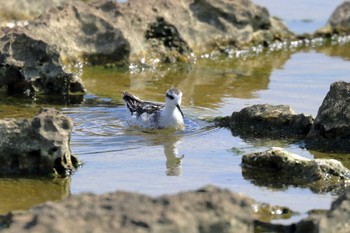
<point>116,157</point>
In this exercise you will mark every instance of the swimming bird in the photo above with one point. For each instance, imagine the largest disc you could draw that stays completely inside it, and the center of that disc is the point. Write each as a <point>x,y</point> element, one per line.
<point>150,115</point>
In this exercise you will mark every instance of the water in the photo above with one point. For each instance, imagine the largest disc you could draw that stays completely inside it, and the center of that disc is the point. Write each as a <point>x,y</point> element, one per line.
<point>116,157</point>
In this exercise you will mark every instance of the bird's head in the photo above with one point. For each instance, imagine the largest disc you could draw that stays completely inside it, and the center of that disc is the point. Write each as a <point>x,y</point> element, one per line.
<point>173,97</point>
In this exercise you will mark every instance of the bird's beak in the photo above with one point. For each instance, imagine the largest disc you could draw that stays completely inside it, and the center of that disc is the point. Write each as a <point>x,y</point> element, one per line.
<point>178,107</point>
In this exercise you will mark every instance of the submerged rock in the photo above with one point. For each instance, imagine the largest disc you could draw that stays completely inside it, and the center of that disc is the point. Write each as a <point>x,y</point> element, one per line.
<point>331,129</point>
<point>209,209</point>
<point>28,65</point>
<point>36,146</point>
<point>264,120</point>
<point>277,168</point>
<point>339,22</point>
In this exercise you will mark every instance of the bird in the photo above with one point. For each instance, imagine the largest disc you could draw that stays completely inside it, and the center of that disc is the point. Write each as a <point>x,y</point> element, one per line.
<point>150,115</point>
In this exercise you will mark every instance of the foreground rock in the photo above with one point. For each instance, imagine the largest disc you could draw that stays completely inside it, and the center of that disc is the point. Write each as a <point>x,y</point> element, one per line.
<point>335,220</point>
<point>339,22</point>
<point>331,129</point>
<point>206,210</point>
<point>36,146</point>
<point>277,168</point>
<point>264,120</point>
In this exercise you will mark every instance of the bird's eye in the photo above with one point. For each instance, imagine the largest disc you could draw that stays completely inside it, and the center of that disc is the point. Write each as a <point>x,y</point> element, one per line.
<point>169,96</point>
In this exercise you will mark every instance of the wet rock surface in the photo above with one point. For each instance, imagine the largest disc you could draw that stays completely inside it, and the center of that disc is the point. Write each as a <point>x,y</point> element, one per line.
<point>269,121</point>
<point>331,129</point>
<point>277,168</point>
<point>209,209</point>
<point>28,65</point>
<point>36,146</point>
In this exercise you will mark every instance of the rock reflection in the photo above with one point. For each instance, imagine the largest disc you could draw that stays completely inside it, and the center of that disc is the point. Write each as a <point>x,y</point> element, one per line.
<point>204,84</point>
<point>23,193</point>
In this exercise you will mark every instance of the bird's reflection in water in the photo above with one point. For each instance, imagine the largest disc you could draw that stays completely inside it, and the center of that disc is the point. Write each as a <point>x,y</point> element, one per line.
<point>173,159</point>
<point>170,141</point>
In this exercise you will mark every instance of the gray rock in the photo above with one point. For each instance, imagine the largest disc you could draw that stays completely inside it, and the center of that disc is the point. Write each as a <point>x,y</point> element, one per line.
<point>331,129</point>
<point>339,22</point>
<point>111,32</point>
<point>36,146</point>
<point>29,65</point>
<point>267,121</point>
<point>200,26</point>
<point>21,10</point>
<point>336,220</point>
<point>207,210</point>
<point>277,167</point>
<point>81,32</point>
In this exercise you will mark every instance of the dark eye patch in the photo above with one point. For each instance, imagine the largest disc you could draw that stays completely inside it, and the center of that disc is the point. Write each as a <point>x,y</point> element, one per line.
<point>169,96</point>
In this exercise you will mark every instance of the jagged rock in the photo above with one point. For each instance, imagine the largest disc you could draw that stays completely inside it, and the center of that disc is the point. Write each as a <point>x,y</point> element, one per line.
<point>29,65</point>
<point>198,26</point>
<point>277,167</point>
<point>336,220</point>
<point>269,121</point>
<point>36,146</point>
<point>80,31</point>
<point>206,210</point>
<point>331,129</point>
<point>339,22</point>
<point>110,32</point>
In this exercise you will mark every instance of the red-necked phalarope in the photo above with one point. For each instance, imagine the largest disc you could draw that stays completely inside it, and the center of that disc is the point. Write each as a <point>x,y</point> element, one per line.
<point>151,115</point>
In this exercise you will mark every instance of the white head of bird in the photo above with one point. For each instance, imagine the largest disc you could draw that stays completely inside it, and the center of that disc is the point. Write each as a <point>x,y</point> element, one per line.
<point>173,99</point>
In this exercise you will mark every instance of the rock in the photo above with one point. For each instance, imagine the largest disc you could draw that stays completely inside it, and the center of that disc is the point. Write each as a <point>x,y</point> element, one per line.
<point>277,167</point>
<point>29,65</point>
<point>338,23</point>
<point>36,146</point>
<point>106,32</point>
<point>81,32</point>
<point>198,26</point>
<point>267,121</point>
<point>209,209</point>
<point>21,10</point>
<point>331,129</point>
<point>335,220</point>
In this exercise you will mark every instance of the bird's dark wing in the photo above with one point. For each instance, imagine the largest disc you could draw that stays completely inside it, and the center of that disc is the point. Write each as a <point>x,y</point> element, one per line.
<point>136,105</point>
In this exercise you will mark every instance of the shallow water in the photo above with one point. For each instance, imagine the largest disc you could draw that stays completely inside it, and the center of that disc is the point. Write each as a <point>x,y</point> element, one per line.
<point>116,157</point>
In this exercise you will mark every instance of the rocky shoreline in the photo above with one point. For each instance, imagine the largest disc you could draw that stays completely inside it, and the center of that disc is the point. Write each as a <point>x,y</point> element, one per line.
<point>32,59</point>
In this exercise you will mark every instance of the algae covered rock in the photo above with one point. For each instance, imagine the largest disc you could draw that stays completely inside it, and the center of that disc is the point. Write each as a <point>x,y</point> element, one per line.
<point>270,121</point>
<point>36,146</point>
<point>331,129</point>
<point>277,167</point>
